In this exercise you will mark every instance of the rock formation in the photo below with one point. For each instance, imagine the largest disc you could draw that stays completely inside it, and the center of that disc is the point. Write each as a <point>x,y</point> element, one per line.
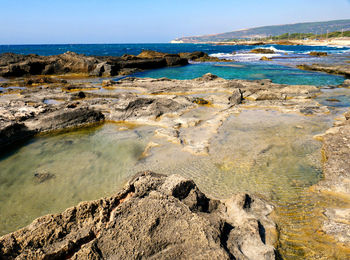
<point>336,182</point>
<point>153,217</point>
<point>262,51</point>
<point>161,102</point>
<point>318,53</point>
<point>16,65</point>
<point>328,68</point>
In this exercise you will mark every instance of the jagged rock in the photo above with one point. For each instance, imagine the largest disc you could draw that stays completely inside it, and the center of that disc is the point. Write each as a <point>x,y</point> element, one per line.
<point>153,217</point>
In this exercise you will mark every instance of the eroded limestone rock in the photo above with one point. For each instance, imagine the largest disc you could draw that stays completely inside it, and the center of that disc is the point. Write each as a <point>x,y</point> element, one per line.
<point>153,217</point>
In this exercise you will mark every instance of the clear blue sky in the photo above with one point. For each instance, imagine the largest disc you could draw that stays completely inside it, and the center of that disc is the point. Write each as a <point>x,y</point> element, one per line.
<point>115,21</point>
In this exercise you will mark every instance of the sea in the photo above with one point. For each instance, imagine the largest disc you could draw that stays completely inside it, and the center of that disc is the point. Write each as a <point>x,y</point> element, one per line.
<point>245,65</point>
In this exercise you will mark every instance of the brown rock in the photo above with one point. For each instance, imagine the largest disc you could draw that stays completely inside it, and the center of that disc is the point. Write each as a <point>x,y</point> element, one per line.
<point>262,51</point>
<point>155,217</point>
<point>318,53</point>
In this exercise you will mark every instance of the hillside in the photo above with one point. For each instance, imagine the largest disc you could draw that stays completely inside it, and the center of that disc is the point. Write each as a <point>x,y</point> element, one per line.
<point>274,30</point>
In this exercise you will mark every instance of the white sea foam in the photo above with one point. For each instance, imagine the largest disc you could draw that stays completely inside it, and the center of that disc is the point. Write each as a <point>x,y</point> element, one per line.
<point>243,56</point>
<point>221,55</point>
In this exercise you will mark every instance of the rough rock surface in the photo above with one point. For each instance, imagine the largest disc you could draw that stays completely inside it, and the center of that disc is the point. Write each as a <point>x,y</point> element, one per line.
<point>342,69</point>
<point>153,217</point>
<point>172,105</point>
<point>16,65</point>
<point>336,183</point>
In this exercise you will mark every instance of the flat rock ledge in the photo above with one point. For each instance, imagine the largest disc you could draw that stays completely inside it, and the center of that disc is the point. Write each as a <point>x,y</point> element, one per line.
<point>153,217</point>
<point>336,182</point>
<point>178,108</point>
<point>342,69</point>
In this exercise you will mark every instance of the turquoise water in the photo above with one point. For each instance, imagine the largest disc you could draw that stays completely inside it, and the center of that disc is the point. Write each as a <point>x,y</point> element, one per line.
<point>120,49</point>
<point>247,65</point>
<point>248,71</point>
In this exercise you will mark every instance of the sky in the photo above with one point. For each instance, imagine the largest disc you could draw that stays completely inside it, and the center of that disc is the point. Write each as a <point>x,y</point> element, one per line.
<point>150,21</point>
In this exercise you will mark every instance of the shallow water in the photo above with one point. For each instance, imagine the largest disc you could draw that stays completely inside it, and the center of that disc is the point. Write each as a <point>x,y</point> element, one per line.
<point>336,98</point>
<point>277,73</point>
<point>256,151</point>
<point>82,165</point>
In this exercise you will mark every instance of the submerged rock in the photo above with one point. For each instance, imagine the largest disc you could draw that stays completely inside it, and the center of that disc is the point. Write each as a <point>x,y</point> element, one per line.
<point>41,177</point>
<point>154,216</point>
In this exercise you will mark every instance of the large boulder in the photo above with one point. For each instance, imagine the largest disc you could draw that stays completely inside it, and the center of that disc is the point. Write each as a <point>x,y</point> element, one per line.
<point>153,217</point>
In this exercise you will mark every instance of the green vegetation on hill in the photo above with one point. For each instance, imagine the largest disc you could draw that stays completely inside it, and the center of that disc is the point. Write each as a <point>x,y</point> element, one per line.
<point>307,29</point>
<point>311,36</point>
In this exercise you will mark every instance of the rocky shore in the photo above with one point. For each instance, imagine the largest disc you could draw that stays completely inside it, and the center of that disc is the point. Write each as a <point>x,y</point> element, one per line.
<point>336,183</point>
<point>342,69</point>
<point>178,221</point>
<point>169,104</point>
<point>153,217</point>
<point>16,65</point>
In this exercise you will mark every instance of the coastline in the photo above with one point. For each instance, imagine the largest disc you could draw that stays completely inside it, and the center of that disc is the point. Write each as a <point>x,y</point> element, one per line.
<point>339,42</point>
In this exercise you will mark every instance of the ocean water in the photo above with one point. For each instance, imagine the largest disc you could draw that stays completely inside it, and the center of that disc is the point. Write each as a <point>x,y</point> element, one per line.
<point>120,49</point>
<point>245,66</point>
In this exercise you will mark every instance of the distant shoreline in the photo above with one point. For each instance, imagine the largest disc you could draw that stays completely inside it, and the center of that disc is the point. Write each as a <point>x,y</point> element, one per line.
<point>345,41</point>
